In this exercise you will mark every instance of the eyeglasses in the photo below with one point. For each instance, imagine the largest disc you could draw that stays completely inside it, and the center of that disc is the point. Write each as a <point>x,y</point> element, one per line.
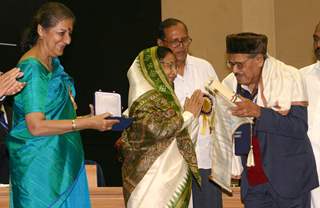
<point>316,38</point>
<point>171,66</point>
<point>239,64</point>
<point>175,43</point>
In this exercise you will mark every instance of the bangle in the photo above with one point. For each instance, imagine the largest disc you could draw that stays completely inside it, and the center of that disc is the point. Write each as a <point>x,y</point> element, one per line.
<point>74,125</point>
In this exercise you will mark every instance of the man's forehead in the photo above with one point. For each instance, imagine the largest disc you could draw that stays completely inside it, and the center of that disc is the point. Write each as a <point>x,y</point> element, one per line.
<point>176,31</point>
<point>237,55</point>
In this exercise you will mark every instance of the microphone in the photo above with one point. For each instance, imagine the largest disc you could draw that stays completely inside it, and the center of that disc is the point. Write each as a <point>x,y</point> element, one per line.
<point>8,44</point>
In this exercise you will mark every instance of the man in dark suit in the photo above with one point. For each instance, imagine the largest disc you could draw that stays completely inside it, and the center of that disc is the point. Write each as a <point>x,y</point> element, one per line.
<point>284,171</point>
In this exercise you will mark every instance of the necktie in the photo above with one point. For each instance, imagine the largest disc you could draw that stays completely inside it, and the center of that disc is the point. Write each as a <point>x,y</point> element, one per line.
<point>3,121</point>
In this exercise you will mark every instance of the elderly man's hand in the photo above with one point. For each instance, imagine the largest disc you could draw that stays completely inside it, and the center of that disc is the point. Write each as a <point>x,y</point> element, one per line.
<point>8,83</point>
<point>246,108</point>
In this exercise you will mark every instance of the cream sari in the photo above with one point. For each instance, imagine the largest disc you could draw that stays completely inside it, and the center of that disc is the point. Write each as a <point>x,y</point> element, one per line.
<point>159,157</point>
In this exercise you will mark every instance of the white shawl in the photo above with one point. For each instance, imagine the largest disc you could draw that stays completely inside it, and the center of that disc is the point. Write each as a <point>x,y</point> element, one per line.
<point>280,87</point>
<point>137,82</point>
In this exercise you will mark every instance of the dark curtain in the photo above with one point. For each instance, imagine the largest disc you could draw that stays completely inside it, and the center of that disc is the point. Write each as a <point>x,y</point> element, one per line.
<point>107,36</point>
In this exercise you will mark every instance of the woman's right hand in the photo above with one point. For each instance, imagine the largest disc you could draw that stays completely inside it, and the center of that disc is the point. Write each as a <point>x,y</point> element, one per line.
<point>194,104</point>
<point>101,123</point>
<point>39,126</point>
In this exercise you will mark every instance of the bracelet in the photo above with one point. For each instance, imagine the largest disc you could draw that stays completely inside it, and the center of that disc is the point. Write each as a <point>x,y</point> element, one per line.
<point>74,125</point>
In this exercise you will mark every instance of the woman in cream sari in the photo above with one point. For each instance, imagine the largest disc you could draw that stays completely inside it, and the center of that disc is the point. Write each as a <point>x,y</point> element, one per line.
<point>159,157</point>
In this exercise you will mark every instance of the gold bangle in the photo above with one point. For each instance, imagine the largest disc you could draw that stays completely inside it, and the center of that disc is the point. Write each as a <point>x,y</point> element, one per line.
<point>74,125</point>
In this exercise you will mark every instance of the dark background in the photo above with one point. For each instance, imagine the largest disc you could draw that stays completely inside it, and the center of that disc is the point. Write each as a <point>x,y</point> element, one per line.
<point>107,37</point>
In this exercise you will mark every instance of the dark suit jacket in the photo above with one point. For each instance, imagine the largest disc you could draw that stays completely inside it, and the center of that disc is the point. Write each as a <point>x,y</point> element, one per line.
<point>286,152</point>
<point>4,155</point>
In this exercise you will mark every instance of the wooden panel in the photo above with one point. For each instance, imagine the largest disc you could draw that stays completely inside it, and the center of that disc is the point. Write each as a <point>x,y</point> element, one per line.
<point>102,197</point>
<point>92,175</point>
<point>234,200</point>
<point>107,197</point>
<point>4,197</point>
<point>111,197</point>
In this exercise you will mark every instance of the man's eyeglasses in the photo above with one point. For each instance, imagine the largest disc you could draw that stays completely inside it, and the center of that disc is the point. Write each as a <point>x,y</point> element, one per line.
<point>175,43</point>
<point>239,64</point>
<point>171,66</point>
<point>316,38</point>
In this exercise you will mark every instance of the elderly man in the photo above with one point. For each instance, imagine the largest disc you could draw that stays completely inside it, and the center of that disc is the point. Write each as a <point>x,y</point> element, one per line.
<point>311,74</point>
<point>193,73</point>
<point>284,170</point>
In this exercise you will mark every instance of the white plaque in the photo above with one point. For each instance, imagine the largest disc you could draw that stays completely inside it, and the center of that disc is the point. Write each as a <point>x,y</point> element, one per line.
<point>107,102</point>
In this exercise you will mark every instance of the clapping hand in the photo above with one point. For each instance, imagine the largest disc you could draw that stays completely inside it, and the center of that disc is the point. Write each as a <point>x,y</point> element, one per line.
<point>9,84</point>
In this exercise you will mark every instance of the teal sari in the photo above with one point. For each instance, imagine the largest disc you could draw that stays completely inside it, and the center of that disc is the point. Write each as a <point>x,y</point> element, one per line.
<point>46,171</point>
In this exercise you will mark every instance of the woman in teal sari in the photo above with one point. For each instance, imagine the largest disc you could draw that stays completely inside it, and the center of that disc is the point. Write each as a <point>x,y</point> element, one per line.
<point>159,157</point>
<point>46,155</point>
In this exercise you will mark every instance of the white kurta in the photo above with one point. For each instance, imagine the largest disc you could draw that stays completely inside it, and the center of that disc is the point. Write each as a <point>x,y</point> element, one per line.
<point>197,72</point>
<point>311,74</point>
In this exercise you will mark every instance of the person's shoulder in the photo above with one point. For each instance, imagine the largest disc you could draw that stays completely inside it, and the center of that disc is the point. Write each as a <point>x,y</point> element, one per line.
<point>198,61</point>
<point>282,67</point>
<point>200,65</point>
<point>308,69</point>
<point>287,72</point>
<point>28,63</point>
<point>31,67</point>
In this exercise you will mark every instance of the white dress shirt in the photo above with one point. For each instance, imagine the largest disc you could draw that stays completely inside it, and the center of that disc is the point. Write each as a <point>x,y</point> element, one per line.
<point>311,75</point>
<point>197,72</point>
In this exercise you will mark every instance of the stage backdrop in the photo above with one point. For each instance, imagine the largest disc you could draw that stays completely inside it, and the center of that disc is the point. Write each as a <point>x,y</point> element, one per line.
<point>107,37</point>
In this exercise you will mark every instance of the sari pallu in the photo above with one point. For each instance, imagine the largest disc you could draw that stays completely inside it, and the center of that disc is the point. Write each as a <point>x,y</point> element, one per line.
<point>159,157</point>
<point>46,171</point>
